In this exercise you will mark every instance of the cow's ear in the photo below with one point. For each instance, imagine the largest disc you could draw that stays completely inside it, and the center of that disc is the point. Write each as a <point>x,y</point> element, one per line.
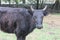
<point>45,13</point>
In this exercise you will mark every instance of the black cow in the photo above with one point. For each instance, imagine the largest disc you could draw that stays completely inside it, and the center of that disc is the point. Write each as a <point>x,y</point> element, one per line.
<point>21,21</point>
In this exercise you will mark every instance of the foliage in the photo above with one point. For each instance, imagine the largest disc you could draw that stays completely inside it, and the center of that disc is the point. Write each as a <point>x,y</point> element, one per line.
<point>56,5</point>
<point>32,2</point>
<point>6,1</point>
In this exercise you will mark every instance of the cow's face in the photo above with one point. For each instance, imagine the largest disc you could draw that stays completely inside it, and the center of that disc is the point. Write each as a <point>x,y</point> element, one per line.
<point>38,17</point>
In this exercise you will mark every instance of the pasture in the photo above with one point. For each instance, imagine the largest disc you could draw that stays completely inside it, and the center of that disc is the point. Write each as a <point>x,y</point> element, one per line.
<point>50,31</point>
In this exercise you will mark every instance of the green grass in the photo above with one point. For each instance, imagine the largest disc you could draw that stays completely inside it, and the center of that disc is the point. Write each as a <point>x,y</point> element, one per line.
<point>6,36</point>
<point>46,33</point>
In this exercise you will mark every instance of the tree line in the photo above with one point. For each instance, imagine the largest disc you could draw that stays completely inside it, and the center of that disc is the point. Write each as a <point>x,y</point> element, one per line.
<point>38,3</point>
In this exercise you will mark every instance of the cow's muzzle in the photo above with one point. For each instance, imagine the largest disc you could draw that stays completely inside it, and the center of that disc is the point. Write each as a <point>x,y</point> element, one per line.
<point>39,26</point>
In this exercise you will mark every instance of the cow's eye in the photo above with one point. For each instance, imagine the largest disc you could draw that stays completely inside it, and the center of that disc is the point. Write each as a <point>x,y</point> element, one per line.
<point>34,17</point>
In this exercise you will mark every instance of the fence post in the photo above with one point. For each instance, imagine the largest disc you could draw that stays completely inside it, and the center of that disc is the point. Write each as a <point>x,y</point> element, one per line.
<point>37,4</point>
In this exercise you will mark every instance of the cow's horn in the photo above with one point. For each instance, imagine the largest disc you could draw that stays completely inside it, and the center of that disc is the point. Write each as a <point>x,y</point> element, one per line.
<point>31,8</point>
<point>45,8</point>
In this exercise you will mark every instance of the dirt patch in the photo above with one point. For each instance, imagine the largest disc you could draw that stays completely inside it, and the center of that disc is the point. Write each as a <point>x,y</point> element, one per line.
<point>52,20</point>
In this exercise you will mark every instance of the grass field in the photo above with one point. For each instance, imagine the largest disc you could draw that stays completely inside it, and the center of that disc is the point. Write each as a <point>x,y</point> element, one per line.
<point>50,31</point>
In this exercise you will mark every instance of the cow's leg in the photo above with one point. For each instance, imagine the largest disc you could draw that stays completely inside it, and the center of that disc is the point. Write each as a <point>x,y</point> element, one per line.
<point>19,35</point>
<point>21,38</point>
<point>20,30</point>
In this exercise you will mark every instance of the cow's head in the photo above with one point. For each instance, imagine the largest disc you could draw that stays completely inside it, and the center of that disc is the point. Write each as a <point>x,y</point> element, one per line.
<point>38,16</point>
